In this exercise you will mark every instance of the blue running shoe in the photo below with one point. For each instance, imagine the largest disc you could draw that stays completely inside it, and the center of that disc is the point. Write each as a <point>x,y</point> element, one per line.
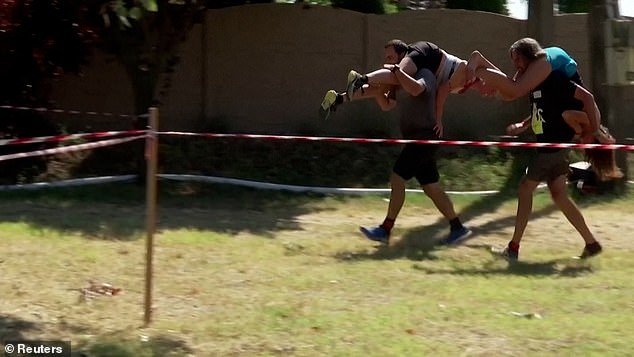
<point>457,235</point>
<point>377,234</point>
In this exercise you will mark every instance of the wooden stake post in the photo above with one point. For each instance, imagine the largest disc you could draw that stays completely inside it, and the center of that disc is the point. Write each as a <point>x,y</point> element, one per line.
<point>151,157</point>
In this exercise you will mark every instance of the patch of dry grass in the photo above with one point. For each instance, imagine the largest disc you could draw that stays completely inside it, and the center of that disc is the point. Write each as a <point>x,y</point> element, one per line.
<point>246,273</point>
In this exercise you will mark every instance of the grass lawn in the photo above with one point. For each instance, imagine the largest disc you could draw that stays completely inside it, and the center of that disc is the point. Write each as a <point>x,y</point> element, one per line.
<point>240,272</point>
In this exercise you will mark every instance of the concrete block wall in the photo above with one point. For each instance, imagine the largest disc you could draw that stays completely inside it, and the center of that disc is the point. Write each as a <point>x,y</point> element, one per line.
<point>264,69</point>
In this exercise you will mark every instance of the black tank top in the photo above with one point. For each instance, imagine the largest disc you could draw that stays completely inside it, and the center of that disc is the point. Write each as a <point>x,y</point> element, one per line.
<point>425,55</point>
<point>548,102</point>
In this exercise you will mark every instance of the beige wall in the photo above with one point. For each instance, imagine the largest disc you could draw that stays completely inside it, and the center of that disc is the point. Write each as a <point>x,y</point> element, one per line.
<point>103,87</point>
<point>281,64</point>
<point>264,69</point>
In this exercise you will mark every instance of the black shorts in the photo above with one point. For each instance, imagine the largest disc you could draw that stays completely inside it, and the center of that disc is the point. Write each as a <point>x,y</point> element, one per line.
<point>418,160</point>
<point>547,166</point>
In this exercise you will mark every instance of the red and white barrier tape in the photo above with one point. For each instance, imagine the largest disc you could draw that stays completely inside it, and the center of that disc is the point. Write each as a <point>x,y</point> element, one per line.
<point>67,149</point>
<point>70,111</point>
<point>60,138</point>
<point>95,135</point>
<point>406,141</point>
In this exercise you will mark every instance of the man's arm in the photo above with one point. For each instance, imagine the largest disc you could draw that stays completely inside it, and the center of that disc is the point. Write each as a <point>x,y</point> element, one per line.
<point>441,97</point>
<point>407,83</point>
<point>518,128</point>
<point>589,107</point>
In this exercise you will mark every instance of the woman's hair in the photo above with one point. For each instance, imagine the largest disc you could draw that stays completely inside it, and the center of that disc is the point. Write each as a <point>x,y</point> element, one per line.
<point>604,161</point>
<point>400,46</point>
<point>528,48</point>
<point>604,164</point>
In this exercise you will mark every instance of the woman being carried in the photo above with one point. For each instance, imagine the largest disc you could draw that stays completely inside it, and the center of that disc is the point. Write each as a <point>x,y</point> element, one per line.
<point>534,65</point>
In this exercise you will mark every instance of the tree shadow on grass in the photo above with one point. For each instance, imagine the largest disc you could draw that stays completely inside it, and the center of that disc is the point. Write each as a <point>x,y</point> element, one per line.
<point>13,328</point>
<point>418,249</point>
<point>119,344</point>
<point>421,243</point>
<point>118,211</point>
<point>123,346</point>
<point>568,268</point>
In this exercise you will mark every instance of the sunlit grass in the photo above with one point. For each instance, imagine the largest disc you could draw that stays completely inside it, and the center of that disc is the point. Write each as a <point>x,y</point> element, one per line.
<point>286,274</point>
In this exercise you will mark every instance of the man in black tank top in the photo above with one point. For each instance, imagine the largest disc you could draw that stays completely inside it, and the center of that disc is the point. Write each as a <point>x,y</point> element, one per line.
<point>449,72</point>
<point>548,102</point>
<point>410,58</point>
<point>425,55</point>
<point>415,96</point>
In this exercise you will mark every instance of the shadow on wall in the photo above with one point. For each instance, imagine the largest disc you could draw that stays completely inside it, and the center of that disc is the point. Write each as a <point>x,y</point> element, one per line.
<point>294,54</point>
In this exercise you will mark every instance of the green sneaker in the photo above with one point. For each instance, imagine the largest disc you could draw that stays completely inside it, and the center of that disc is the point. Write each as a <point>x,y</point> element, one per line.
<point>355,80</point>
<point>329,104</point>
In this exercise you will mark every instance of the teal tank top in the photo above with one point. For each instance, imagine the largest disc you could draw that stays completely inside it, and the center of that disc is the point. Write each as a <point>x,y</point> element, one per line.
<point>561,61</point>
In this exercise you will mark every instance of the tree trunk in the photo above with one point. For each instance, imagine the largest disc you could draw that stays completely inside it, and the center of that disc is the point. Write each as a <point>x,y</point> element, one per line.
<point>609,98</point>
<point>541,22</point>
<point>597,45</point>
